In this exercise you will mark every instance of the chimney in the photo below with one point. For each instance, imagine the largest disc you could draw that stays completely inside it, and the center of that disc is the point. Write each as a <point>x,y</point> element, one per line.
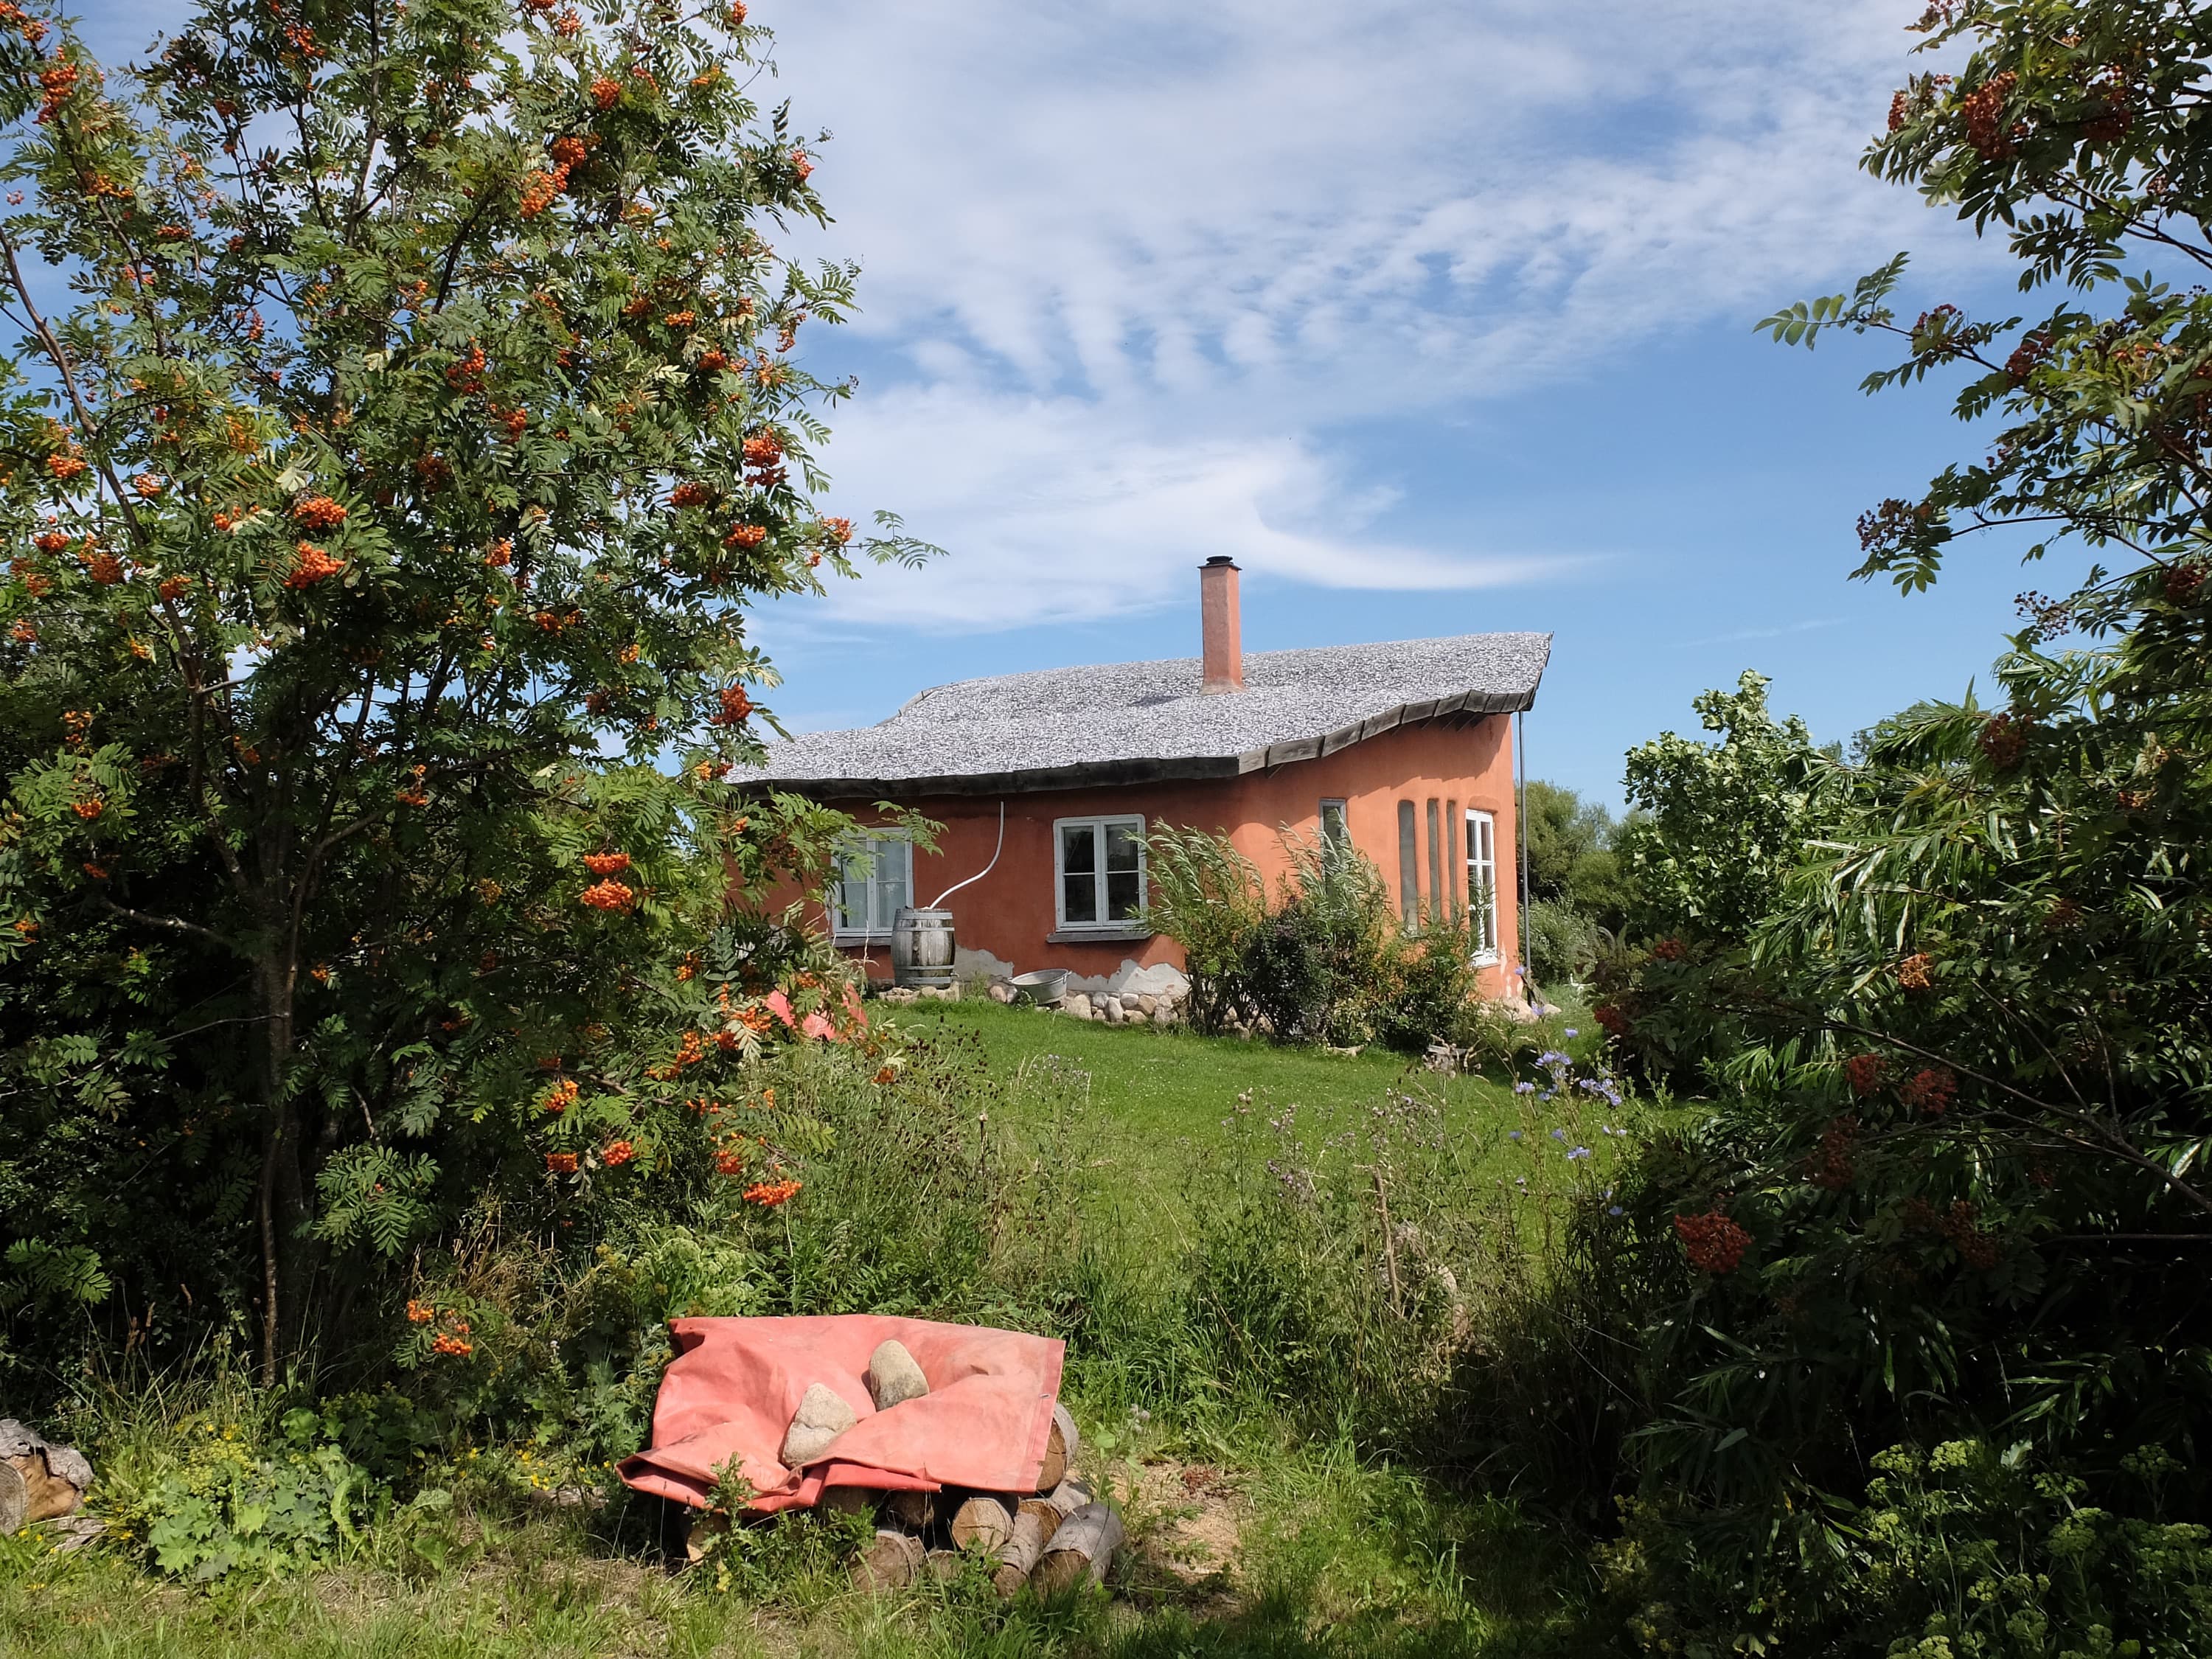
<point>1223,658</point>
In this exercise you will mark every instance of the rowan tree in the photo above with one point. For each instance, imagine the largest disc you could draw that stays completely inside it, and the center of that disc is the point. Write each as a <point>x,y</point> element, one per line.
<point>406,415</point>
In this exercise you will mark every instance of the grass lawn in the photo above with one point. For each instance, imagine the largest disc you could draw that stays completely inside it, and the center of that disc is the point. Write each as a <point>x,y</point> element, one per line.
<point>1156,1096</point>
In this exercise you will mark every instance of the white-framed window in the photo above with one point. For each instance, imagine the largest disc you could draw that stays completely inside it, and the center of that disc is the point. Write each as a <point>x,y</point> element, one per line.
<point>1482,884</point>
<point>1335,828</point>
<point>1098,870</point>
<point>875,879</point>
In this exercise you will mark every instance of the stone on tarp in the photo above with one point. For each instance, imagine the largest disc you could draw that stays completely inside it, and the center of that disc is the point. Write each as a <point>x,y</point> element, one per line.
<point>822,1416</point>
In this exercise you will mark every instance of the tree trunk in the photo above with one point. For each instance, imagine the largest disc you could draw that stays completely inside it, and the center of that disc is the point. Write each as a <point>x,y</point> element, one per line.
<point>282,1202</point>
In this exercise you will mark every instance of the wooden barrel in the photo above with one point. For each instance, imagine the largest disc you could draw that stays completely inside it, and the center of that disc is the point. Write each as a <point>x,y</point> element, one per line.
<point>921,947</point>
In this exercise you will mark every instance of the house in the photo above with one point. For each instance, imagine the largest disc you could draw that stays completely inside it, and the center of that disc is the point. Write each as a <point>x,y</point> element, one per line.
<point>1407,749</point>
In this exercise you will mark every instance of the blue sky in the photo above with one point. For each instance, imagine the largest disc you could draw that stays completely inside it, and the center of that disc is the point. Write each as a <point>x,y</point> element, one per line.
<point>1435,316</point>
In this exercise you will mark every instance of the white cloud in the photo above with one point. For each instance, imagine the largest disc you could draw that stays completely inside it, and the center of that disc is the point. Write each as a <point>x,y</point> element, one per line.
<point>1070,508</point>
<point>1135,259</point>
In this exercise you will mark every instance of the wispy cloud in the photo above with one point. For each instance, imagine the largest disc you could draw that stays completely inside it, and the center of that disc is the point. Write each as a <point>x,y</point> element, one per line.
<point>1132,264</point>
<point>1781,631</point>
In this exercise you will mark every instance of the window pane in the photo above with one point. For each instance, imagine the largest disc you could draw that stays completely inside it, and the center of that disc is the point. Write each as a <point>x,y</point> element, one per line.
<point>1125,895</point>
<point>1122,842</point>
<point>1078,848</point>
<point>890,882</point>
<point>1332,822</point>
<point>1079,896</point>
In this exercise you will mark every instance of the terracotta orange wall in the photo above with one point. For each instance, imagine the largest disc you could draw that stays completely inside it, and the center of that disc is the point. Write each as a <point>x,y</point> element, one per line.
<point>1010,912</point>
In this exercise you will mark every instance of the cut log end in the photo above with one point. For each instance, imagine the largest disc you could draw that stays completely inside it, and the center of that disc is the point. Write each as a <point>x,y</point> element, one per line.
<point>15,1499</point>
<point>982,1523</point>
<point>891,1561</point>
<point>1034,1523</point>
<point>1069,1496</point>
<point>915,1510</point>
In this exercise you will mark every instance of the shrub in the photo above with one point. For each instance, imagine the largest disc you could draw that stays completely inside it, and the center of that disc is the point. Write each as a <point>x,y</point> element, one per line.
<point>1208,897</point>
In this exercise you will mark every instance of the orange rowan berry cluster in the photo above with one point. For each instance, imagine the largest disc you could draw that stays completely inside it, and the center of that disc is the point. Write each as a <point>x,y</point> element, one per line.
<point>105,568</point>
<point>318,512</point>
<point>1714,1245</point>
<point>174,587</point>
<point>501,556</point>
<point>448,1342</point>
<point>56,83</point>
<point>1614,1020</point>
<point>606,864</point>
<point>560,1097</point>
<point>51,541</point>
<point>763,450</point>
<point>1670,950</point>
<point>560,1162</point>
<point>604,92</point>
<point>802,164</point>
<point>608,896</point>
<point>311,565</point>
<point>1983,108</point>
<point>746,536</point>
<point>89,808</point>
<point>769,1193</point>
<point>690,493</point>
<point>617,1153</point>
<point>713,359</point>
<point>736,707</point>
<point>2182,582</point>
<point>1917,972</point>
<point>679,319</point>
<point>420,1312</point>
<point>467,373</point>
<point>839,531</point>
<point>64,467</point>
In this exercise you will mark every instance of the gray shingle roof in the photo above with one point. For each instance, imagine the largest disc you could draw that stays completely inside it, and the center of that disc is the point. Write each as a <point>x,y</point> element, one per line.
<point>1060,728</point>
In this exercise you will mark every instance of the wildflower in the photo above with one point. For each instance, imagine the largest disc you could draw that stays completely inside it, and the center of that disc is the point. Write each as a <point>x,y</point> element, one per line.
<point>1570,1032</point>
<point>1559,1134</point>
<point>608,896</point>
<point>606,864</point>
<point>616,1153</point>
<point>560,1162</point>
<point>1715,1243</point>
<point>1513,1134</point>
<point>1615,1209</point>
<point>1578,1152</point>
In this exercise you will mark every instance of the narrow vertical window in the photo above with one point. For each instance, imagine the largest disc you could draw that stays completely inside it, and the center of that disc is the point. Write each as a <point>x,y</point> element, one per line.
<point>1482,884</point>
<point>1335,830</point>
<point>1409,866</point>
<point>1452,903</point>
<point>1436,857</point>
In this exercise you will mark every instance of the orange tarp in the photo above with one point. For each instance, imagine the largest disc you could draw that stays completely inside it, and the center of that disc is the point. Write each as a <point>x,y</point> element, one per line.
<point>734,1383</point>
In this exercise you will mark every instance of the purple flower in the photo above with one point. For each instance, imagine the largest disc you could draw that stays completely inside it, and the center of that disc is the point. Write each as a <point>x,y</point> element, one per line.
<point>1572,1032</point>
<point>1579,1152</point>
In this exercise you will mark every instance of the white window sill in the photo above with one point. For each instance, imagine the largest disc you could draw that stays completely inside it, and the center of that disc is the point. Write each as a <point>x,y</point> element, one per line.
<point>1103,933</point>
<point>860,938</point>
<point>1485,959</point>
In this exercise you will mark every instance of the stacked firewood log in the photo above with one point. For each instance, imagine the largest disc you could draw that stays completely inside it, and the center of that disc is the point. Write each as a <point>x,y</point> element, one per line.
<point>1049,1540</point>
<point>42,1482</point>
